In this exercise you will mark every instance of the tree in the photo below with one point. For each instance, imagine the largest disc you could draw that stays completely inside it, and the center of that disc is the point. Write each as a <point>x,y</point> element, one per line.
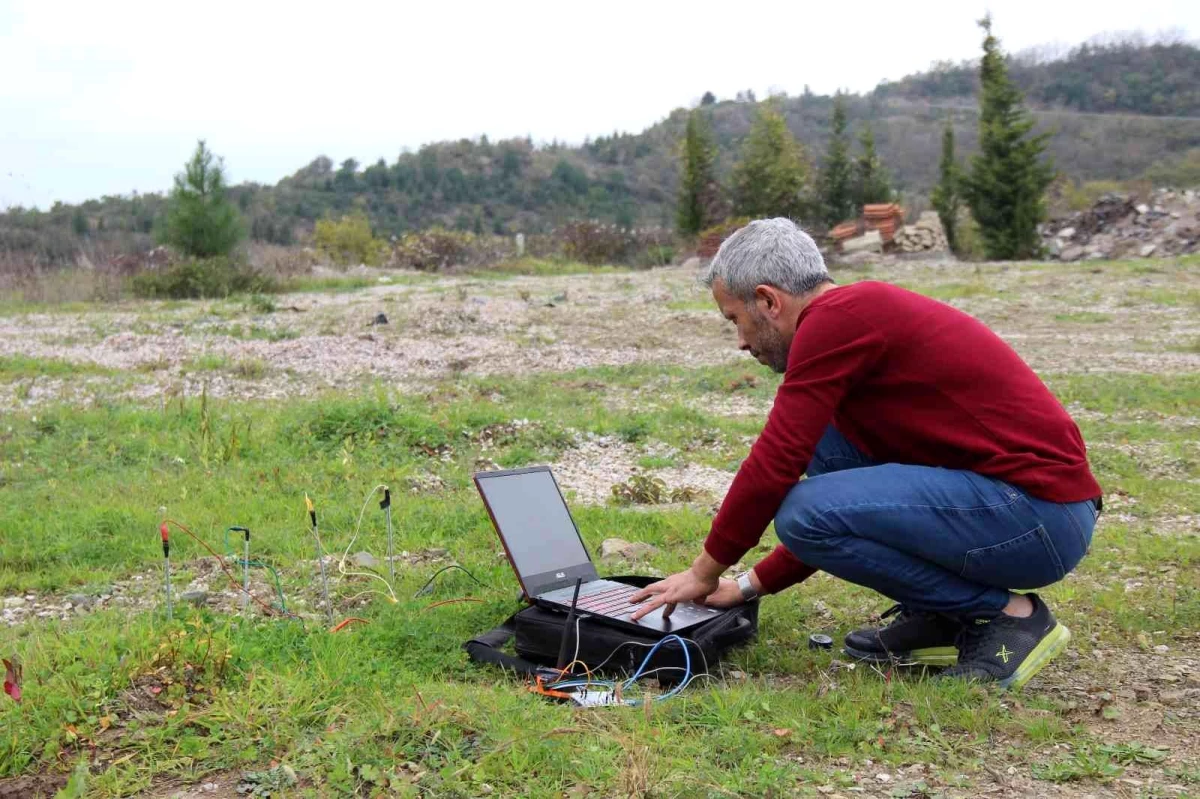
<point>200,220</point>
<point>837,201</point>
<point>946,194</point>
<point>708,99</point>
<point>1006,186</point>
<point>698,204</point>
<point>871,183</point>
<point>79,223</point>
<point>772,176</point>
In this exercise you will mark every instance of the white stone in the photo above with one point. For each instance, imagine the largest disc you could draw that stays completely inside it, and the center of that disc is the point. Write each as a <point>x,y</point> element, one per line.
<point>1147,250</point>
<point>620,548</point>
<point>14,601</point>
<point>1143,209</point>
<point>871,241</point>
<point>1066,233</point>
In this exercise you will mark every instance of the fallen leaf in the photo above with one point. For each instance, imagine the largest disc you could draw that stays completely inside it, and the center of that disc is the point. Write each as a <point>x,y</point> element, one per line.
<point>781,732</point>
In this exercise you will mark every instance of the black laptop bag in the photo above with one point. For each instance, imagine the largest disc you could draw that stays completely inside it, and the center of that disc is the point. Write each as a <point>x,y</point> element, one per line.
<point>537,635</point>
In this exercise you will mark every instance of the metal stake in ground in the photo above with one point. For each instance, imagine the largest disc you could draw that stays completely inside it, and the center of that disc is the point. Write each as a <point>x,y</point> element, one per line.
<point>312,515</point>
<point>386,504</point>
<point>245,568</point>
<point>166,542</point>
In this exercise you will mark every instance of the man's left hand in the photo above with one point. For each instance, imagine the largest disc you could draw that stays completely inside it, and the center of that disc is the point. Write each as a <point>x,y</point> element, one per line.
<point>686,586</point>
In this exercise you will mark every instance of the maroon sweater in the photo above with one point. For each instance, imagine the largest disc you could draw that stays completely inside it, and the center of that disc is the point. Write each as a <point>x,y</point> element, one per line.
<point>906,379</point>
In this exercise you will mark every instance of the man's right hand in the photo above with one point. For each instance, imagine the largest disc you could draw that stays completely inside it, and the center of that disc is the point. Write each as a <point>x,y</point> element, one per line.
<point>727,595</point>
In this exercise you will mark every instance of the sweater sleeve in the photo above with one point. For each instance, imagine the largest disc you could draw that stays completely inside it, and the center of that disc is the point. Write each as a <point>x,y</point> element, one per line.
<point>781,569</point>
<point>832,350</point>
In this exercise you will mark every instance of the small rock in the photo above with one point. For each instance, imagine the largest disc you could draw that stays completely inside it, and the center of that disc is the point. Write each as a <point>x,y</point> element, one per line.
<point>1143,209</point>
<point>883,777</point>
<point>1186,696</point>
<point>79,600</point>
<point>1141,693</point>
<point>1162,649</point>
<point>1147,250</point>
<point>14,602</point>
<point>380,319</point>
<point>364,560</point>
<point>194,597</point>
<point>620,548</point>
<point>1072,253</point>
<point>737,675</point>
<point>436,552</point>
<point>1066,233</point>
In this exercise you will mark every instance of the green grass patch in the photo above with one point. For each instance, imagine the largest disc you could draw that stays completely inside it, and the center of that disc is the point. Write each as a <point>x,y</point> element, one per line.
<point>1083,317</point>
<point>18,367</point>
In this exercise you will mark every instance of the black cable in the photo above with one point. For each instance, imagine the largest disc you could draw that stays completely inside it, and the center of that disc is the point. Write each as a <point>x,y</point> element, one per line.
<point>427,588</point>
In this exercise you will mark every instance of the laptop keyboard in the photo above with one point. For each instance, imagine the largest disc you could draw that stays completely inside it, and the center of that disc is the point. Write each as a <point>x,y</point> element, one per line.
<point>609,601</point>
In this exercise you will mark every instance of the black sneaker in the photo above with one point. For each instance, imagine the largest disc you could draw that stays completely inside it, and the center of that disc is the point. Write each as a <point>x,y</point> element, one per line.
<point>912,637</point>
<point>1009,650</point>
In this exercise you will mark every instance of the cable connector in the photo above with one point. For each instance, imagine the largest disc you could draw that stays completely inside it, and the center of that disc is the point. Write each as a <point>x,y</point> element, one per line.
<point>386,502</point>
<point>312,511</point>
<point>245,530</point>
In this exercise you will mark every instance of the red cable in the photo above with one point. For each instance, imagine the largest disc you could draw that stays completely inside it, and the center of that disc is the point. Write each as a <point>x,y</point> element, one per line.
<point>221,561</point>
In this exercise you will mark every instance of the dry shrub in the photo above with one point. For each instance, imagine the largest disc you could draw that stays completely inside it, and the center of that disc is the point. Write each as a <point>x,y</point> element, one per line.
<point>711,238</point>
<point>438,249</point>
<point>598,243</point>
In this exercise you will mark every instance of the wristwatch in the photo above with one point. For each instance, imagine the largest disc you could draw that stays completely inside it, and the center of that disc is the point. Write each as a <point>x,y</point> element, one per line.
<point>746,587</point>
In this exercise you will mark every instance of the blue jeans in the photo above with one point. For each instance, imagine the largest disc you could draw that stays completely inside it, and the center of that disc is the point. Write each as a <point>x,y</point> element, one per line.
<point>941,540</point>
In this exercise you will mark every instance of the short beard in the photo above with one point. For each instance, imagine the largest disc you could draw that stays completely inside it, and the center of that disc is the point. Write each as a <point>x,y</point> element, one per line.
<point>772,346</point>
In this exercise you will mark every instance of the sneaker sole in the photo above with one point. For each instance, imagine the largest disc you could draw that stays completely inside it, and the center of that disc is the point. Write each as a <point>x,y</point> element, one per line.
<point>1047,649</point>
<point>928,656</point>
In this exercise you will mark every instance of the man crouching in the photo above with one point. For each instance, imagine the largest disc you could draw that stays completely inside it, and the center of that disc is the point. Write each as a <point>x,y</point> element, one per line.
<point>939,469</point>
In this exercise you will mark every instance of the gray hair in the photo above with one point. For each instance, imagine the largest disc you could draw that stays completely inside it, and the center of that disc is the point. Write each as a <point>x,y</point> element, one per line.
<point>774,252</point>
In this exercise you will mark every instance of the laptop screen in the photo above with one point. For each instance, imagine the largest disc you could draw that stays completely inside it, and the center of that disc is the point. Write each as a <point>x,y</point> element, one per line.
<point>532,518</point>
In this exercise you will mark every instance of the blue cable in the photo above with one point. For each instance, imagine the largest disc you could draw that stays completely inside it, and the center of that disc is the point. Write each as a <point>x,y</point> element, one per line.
<point>688,676</point>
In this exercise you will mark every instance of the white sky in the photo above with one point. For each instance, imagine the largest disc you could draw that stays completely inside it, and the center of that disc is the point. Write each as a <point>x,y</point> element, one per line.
<point>109,97</point>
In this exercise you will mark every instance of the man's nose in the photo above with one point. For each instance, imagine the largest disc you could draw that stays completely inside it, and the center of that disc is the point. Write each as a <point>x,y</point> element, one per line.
<point>742,345</point>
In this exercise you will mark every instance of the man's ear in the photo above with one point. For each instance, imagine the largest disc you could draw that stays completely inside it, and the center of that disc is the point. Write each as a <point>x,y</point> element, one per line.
<point>768,300</point>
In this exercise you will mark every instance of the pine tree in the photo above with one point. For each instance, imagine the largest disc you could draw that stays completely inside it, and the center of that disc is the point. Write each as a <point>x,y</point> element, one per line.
<point>836,191</point>
<point>871,182</point>
<point>1007,183</point>
<point>699,193</point>
<point>946,194</point>
<point>772,176</point>
<point>200,221</point>
<point>79,223</point>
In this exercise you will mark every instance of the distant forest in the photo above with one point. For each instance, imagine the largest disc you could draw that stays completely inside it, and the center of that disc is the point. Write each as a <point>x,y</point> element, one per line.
<point>1115,110</point>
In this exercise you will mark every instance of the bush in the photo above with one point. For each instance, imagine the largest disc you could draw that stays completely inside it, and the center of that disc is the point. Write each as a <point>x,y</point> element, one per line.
<point>207,277</point>
<point>348,241</point>
<point>710,239</point>
<point>438,249</point>
<point>596,243</point>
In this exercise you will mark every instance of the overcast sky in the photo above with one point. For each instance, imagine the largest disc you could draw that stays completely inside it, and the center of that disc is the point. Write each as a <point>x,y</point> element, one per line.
<point>110,97</point>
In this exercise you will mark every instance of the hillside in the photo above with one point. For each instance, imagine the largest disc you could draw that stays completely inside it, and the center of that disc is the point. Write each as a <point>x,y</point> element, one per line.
<point>1098,103</point>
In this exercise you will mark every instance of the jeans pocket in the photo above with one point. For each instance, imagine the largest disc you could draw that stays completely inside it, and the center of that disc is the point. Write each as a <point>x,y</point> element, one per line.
<point>1027,561</point>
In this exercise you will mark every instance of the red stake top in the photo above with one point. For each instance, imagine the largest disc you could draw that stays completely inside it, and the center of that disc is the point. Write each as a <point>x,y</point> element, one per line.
<point>163,530</point>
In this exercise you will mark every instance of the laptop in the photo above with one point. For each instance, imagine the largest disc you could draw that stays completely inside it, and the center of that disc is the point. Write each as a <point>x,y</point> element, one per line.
<point>547,553</point>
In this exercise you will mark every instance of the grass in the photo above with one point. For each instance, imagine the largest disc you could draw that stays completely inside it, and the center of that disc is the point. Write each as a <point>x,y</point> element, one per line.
<point>393,707</point>
<point>1083,317</point>
<point>19,367</point>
